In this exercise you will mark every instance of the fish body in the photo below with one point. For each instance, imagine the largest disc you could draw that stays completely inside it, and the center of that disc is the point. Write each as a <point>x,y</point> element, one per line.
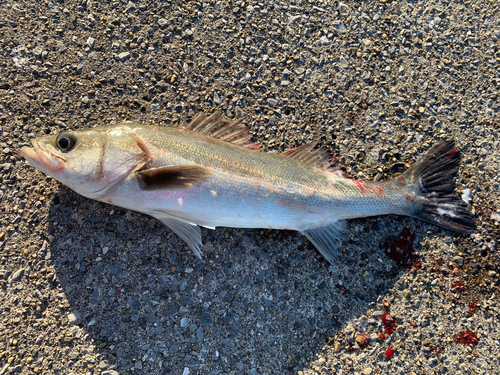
<point>205,174</point>
<point>249,189</point>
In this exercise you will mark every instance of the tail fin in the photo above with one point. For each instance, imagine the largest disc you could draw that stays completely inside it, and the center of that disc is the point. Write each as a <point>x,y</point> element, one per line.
<point>436,201</point>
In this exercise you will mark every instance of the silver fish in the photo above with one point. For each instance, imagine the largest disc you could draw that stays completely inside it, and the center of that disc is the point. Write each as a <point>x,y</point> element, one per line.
<point>207,173</point>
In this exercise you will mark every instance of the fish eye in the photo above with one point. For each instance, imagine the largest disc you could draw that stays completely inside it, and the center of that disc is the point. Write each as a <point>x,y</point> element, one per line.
<point>65,142</point>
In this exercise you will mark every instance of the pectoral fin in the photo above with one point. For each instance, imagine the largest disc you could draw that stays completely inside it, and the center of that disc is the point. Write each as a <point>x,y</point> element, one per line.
<point>190,233</point>
<point>172,177</point>
<point>327,239</point>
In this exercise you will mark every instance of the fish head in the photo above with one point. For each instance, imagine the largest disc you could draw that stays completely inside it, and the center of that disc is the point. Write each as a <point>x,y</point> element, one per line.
<point>89,161</point>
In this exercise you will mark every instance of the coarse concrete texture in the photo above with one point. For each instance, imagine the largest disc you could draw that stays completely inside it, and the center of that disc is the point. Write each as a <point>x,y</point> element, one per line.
<point>88,288</point>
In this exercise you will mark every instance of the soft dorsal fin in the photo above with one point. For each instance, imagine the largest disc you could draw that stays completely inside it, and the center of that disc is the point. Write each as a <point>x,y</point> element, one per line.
<point>215,126</point>
<point>173,177</point>
<point>308,155</point>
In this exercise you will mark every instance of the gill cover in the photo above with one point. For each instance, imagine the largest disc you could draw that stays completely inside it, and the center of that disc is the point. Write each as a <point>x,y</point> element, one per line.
<point>122,154</point>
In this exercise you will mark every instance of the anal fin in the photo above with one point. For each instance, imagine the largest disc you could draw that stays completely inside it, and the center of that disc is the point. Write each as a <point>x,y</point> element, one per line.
<point>327,239</point>
<point>190,233</point>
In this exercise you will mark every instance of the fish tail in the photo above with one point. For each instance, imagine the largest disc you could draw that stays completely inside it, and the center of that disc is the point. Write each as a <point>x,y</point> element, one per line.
<point>435,200</point>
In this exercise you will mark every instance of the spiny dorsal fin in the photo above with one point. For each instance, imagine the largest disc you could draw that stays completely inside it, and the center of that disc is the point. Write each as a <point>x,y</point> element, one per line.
<point>308,155</point>
<point>174,177</point>
<point>215,126</point>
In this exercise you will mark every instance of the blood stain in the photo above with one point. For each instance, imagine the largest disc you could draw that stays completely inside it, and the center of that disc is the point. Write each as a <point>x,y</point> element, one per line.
<point>458,286</point>
<point>466,338</point>
<point>452,153</point>
<point>389,323</point>
<point>400,250</point>
<point>360,186</point>
<point>472,307</point>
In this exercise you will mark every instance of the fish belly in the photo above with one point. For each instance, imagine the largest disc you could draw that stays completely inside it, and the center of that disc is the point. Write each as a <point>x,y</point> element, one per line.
<point>250,203</point>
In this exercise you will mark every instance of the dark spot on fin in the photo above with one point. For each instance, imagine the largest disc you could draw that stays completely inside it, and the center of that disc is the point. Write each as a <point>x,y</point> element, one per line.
<point>327,239</point>
<point>171,178</point>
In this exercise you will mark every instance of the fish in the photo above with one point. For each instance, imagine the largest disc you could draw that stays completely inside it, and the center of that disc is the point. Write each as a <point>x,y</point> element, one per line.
<point>207,173</point>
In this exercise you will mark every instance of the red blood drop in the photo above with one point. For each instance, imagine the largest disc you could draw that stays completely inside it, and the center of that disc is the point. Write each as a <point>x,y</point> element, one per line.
<point>389,323</point>
<point>389,352</point>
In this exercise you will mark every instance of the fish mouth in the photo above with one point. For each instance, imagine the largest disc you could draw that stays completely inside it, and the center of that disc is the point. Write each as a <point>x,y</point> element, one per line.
<point>41,158</point>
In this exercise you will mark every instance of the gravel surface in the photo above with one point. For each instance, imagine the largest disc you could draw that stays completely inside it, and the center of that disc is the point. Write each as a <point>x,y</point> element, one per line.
<point>87,288</point>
